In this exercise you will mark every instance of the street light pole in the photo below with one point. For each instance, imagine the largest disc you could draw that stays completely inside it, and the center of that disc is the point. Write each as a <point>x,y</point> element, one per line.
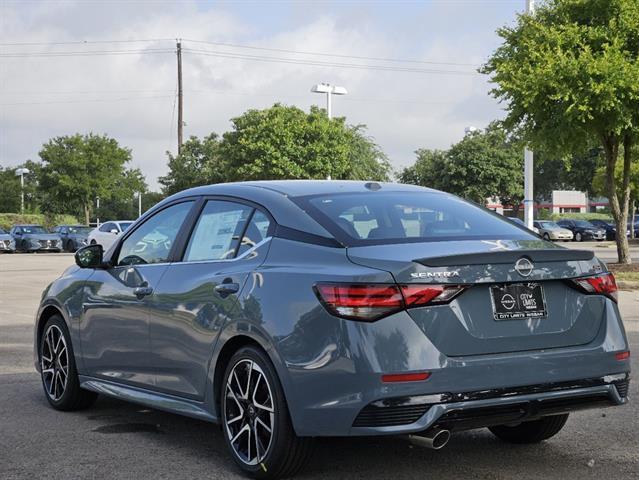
<point>329,90</point>
<point>20,172</point>
<point>529,202</point>
<point>139,204</point>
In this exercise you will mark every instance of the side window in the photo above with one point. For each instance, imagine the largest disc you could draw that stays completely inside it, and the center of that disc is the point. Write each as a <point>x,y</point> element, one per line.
<point>107,227</point>
<point>255,232</point>
<point>217,232</point>
<point>152,241</point>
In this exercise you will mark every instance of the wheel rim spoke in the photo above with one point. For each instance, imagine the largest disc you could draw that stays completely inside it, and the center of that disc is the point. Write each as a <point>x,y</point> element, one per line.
<point>248,412</point>
<point>54,361</point>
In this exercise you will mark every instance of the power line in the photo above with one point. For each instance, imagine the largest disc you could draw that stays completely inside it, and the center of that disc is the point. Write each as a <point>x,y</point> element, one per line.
<point>86,53</point>
<point>325,64</point>
<point>325,54</point>
<point>84,42</point>
<point>206,42</point>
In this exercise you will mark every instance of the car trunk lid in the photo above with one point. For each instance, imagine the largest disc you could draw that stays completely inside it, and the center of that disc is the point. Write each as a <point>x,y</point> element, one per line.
<point>468,325</point>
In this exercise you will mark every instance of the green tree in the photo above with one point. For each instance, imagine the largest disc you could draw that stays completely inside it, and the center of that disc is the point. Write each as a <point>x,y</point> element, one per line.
<point>285,142</point>
<point>427,169</point>
<point>9,190</point>
<point>569,76</point>
<point>78,168</point>
<point>198,163</point>
<point>483,164</point>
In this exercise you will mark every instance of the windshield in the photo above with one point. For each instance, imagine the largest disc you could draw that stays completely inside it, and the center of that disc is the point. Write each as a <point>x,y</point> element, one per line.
<point>584,224</point>
<point>549,225</point>
<point>401,217</point>
<point>125,225</point>
<point>80,230</point>
<point>33,229</point>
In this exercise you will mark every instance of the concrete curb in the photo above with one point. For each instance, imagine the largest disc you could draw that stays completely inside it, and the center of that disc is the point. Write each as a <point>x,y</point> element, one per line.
<point>627,285</point>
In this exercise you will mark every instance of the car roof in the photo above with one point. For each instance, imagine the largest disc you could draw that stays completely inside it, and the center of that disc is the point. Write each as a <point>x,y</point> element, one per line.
<point>299,188</point>
<point>276,195</point>
<point>27,225</point>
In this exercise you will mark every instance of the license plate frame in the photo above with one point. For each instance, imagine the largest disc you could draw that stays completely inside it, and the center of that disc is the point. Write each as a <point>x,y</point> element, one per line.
<point>518,301</point>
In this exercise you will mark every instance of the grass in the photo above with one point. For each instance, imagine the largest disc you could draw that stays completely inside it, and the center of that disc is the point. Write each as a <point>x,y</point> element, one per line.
<point>628,273</point>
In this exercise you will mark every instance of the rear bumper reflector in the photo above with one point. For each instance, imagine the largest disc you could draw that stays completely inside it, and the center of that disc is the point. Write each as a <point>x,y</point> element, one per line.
<point>405,377</point>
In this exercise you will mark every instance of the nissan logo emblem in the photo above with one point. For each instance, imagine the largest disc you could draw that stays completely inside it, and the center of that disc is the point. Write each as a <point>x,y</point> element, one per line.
<point>524,267</point>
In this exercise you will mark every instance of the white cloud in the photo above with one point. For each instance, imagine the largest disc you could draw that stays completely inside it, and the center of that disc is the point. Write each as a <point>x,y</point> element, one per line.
<point>130,97</point>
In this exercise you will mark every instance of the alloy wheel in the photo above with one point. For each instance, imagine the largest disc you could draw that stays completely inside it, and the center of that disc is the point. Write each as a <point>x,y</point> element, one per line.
<point>249,414</point>
<point>54,362</point>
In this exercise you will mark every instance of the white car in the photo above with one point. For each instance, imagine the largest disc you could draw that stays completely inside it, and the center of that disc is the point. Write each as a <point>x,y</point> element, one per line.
<point>107,233</point>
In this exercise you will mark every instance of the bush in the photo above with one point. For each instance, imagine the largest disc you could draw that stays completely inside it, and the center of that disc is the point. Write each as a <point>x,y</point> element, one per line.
<point>7,220</point>
<point>582,216</point>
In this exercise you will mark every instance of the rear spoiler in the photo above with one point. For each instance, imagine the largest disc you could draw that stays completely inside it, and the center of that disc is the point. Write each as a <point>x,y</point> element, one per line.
<point>507,256</point>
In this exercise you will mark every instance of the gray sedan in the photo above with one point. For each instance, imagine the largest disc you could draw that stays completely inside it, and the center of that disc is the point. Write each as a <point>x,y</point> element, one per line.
<point>7,244</point>
<point>286,311</point>
<point>35,238</point>
<point>73,236</point>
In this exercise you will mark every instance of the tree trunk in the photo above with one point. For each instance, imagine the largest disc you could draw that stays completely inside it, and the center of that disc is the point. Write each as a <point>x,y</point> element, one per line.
<point>87,214</point>
<point>619,211</point>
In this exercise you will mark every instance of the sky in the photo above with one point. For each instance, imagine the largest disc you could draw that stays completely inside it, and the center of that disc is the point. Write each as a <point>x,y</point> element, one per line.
<point>109,67</point>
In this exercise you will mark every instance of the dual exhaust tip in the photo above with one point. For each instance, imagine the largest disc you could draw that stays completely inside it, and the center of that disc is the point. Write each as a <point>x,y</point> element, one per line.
<point>435,439</point>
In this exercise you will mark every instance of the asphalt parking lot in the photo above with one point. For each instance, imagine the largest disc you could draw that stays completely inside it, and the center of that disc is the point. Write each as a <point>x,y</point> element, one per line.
<point>123,441</point>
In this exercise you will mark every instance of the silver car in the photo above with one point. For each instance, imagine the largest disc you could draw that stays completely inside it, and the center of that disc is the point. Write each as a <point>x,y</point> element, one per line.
<point>551,231</point>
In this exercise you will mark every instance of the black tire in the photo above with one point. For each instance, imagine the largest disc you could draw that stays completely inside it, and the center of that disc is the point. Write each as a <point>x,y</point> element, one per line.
<point>546,237</point>
<point>531,432</point>
<point>286,453</point>
<point>93,242</point>
<point>69,247</point>
<point>72,397</point>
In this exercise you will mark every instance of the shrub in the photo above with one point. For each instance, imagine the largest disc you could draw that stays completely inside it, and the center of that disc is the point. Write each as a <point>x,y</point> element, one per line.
<point>7,220</point>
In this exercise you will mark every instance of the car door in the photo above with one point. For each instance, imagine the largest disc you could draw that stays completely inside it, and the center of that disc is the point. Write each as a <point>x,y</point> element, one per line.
<point>114,330</point>
<point>199,294</point>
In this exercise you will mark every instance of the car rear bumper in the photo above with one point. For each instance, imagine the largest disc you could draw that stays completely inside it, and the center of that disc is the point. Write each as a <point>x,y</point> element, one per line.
<point>501,408</point>
<point>335,395</point>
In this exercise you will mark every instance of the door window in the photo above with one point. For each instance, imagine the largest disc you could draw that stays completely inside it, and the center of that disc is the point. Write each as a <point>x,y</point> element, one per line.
<point>256,231</point>
<point>217,233</point>
<point>153,240</point>
<point>107,227</point>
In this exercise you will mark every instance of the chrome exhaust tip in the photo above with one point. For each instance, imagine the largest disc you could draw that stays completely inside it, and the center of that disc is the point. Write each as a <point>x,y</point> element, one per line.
<point>435,439</point>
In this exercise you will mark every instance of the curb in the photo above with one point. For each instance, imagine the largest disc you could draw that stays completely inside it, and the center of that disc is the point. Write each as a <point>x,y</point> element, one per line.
<point>627,285</point>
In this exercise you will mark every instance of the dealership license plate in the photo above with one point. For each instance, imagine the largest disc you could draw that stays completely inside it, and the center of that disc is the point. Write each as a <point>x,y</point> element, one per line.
<point>518,301</point>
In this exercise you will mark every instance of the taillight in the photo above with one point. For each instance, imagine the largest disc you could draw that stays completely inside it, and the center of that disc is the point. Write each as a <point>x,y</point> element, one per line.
<point>603,284</point>
<point>369,302</point>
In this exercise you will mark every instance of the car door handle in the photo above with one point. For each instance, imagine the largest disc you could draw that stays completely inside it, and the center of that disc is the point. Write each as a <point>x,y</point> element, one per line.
<point>225,289</point>
<point>141,292</point>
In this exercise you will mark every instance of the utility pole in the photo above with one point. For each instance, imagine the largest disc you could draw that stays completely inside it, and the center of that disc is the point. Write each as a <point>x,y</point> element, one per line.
<point>180,119</point>
<point>529,202</point>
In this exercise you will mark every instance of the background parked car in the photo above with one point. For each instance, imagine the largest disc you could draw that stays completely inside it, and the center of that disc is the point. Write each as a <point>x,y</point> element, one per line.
<point>107,233</point>
<point>551,231</point>
<point>73,236</point>
<point>7,244</point>
<point>519,221</point>
<point>609,227</point>
<point>35,238</point>
<point>636,222</point>
<point>583,230</point>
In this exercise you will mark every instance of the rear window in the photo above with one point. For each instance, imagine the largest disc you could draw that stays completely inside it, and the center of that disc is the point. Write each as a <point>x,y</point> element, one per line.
<point>401,217</point>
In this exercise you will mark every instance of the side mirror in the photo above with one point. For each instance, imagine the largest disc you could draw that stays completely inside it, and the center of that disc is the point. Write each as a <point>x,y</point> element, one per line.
<point>114,231</point>
<point>89,256</point>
